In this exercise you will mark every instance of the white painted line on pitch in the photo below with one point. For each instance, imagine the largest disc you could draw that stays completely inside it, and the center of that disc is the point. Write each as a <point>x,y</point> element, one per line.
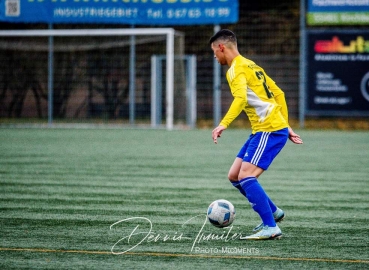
<point>159,254</point>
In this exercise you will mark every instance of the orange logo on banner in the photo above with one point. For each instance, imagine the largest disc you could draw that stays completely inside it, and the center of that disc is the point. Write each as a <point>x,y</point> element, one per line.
<point>336,46</point>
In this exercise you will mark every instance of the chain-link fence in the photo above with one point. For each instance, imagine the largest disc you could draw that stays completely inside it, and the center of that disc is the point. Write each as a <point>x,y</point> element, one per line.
<point>91,74</point>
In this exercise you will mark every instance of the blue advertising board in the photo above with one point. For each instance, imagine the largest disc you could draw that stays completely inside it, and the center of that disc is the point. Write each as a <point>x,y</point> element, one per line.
<point>338,12</point>
<point>134,12</point>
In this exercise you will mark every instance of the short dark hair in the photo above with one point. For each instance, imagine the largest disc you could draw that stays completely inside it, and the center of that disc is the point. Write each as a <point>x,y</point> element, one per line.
<point>224,34</point>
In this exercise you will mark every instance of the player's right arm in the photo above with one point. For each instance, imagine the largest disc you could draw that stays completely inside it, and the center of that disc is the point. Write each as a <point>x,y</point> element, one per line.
<point>234,110</point>
<point>238,85</point>
<point>238,104</point>
<point>217,132</point>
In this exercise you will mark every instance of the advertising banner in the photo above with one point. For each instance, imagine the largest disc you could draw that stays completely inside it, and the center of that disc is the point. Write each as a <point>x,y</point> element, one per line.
<point>134,12</point>
<point>338,73</point>
<point>338,12</point>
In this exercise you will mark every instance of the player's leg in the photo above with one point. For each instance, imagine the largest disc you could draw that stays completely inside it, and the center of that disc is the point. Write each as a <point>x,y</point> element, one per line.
<point>278,215</point>
<point>234,172</point>
<point>239,168</point>
<point>255,193</point>
<point>261,151</point>
<point>247,170</point>
<point>236,166</point>
<point>233,176</point>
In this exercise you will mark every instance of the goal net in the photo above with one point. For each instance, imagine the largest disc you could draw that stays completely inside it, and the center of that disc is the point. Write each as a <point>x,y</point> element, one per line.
<point>90,75</point>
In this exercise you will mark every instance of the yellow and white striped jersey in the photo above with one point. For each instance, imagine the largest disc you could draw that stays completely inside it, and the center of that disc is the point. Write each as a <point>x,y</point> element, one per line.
<point>257,95</point>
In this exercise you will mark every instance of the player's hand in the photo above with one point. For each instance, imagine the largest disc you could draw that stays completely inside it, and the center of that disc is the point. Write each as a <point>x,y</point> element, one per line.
<point>217,132</point>
<point>294,137</point>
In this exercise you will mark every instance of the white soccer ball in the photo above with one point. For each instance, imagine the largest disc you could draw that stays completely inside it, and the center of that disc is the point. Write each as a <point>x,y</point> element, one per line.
<point>221,213</point>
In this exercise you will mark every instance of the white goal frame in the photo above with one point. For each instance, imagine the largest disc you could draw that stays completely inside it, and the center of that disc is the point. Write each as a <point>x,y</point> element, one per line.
<point>156,88</point>
<point>169,33</point>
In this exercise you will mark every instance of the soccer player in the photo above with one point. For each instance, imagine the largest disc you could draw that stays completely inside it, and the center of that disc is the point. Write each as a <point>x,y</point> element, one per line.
<point>256,94</point>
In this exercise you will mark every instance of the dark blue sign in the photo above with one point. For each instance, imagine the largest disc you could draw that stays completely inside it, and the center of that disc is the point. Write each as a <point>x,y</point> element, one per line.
<point>338,73</point>
<point>135,12</point>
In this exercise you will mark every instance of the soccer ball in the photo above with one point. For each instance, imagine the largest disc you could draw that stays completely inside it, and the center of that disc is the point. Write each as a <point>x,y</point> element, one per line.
<point>221,213</point>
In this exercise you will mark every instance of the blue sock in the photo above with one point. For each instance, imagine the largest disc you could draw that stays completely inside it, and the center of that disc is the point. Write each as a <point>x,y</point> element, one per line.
<point>258,199</point>
<point>273,207</point>
<point>237,185</point>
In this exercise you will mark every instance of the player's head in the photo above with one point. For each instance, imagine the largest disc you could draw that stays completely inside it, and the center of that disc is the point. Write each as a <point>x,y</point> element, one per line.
<point>223,40</point>
<point>225,36</point>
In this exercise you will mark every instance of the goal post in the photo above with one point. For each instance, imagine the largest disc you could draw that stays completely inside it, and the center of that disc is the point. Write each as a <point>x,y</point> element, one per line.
<point>169,34</point>
<point>189,96</point>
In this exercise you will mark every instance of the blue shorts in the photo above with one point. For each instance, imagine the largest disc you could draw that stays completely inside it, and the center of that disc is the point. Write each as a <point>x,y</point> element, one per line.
<point>262,147</point>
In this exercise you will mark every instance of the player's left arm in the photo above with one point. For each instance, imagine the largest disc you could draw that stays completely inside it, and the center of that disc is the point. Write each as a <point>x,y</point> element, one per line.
<point>295,138</point>
<point>281,100</point>
<point>279,97</point>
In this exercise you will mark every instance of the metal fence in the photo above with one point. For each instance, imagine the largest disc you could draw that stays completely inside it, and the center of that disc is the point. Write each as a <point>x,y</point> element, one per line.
<point>91,75</point>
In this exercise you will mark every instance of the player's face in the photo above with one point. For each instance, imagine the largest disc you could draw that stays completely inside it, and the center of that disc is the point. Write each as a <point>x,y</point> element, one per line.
<point>218,50</point>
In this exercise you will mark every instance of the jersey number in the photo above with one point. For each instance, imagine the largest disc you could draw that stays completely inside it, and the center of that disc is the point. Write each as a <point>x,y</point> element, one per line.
<point>261,76</point>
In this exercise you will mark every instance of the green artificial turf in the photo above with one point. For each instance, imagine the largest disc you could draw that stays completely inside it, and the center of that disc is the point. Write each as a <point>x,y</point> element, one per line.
<point>70,198</point>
